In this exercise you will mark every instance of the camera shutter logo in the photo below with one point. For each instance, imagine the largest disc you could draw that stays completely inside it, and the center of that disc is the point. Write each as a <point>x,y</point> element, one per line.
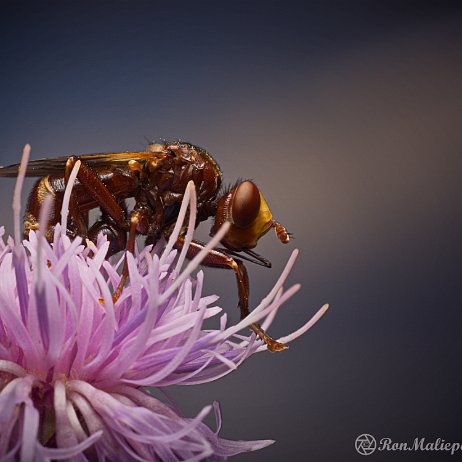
<point>365,444</point>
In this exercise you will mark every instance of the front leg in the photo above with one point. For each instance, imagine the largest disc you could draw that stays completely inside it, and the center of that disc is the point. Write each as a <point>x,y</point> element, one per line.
<point>218,258</point>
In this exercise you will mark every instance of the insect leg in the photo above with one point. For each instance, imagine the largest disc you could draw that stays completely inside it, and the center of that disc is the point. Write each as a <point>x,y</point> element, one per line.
<point>218,258</point>
<point>98,191</point>
<point>113,222</point>
<point>135,218</point>
<point>77,222</point>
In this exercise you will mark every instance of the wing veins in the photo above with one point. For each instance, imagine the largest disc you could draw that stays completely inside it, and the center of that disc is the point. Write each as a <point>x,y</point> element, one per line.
<point>56,165</point>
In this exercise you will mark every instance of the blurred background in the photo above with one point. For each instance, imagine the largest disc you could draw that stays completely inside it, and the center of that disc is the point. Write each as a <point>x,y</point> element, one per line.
<point>348,117</point>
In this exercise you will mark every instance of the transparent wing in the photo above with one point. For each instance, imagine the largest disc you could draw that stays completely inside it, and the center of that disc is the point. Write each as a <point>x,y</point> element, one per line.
<point>56,165</point>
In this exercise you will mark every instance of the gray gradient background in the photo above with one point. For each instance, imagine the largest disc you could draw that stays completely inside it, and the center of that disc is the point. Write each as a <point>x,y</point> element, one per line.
<point>348,116</point>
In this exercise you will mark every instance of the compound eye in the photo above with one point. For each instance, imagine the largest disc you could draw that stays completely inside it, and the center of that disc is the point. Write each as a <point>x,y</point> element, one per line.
<point>245,204</point>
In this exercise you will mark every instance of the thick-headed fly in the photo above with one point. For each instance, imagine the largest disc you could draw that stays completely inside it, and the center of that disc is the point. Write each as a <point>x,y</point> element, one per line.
<point>156,179</point>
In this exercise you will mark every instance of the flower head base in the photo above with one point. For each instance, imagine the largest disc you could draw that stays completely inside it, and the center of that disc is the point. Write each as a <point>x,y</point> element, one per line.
<point>73,363</point>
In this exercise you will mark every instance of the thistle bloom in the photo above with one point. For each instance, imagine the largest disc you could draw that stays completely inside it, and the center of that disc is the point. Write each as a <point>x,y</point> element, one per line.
<point>73,365</point>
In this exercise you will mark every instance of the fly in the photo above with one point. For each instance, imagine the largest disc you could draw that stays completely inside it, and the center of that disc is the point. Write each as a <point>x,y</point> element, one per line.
<point>156,179</point>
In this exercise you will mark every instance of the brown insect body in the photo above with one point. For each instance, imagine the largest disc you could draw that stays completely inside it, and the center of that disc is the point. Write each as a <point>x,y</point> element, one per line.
<point>156,179</point>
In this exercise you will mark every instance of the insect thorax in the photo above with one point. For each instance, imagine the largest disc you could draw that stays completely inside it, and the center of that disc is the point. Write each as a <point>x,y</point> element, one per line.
<point>179,163</point>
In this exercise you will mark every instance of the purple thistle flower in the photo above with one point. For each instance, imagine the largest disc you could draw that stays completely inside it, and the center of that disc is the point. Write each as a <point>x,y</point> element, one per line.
<point>73,364</point>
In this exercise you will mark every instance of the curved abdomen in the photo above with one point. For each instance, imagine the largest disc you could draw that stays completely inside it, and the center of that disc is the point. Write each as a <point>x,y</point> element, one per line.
<point>119,183</point>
